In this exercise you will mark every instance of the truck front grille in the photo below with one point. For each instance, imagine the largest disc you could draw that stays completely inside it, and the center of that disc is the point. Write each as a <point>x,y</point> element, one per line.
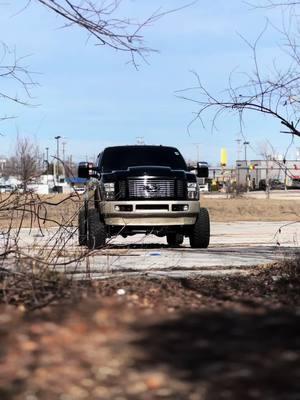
<point>180,189</point>
<point>121,194</point>
<point>151,188</point>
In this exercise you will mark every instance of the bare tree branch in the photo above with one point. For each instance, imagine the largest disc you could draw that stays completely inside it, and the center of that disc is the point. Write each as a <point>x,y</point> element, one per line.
<point>271,93</point>
<point>12,68</point>
<point>101,21</point>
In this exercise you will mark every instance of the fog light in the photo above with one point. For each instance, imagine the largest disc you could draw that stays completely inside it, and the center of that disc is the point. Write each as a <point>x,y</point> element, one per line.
<point>124,207</point>
<point>180,207</point>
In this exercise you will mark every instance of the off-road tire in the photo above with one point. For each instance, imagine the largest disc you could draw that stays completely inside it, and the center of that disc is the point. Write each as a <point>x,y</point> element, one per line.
<point>82,228</point>
<point>96,236</point>
<point>174,239</point>
<point>200,233</point>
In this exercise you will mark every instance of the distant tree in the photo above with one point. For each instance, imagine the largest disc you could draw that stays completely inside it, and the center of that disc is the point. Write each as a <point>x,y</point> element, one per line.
<point>26,162</point>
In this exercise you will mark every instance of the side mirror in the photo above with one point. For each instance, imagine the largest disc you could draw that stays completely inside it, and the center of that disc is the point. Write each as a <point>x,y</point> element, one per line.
<point>86,170</point>
<point>202,169</point>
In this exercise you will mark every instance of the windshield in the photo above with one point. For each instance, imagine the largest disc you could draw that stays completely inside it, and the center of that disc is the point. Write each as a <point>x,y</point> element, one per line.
<point>121,158</point>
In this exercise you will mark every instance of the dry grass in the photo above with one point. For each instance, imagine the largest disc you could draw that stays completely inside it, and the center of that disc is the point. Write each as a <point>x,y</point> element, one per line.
<point>62,210</point>
<point>44,211</point>
<point>226,210</point>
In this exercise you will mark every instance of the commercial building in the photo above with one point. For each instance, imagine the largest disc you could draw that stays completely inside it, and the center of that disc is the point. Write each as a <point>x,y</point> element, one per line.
<point>256,172</point>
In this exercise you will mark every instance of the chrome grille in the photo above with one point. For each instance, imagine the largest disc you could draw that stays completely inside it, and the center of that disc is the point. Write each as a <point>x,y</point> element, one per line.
<point>151,188</point>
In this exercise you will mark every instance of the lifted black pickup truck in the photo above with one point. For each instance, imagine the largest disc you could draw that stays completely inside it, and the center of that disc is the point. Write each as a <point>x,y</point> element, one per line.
<point>143,189</point>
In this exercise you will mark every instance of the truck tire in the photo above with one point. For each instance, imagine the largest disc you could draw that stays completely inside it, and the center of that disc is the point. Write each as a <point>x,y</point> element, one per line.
<point>174,239</point>
<point>82,228</point>
<point>96,235</point>
<point>200,233</point>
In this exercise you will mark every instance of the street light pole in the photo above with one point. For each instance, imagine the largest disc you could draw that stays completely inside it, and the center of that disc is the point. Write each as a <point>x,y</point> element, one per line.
<point>57,156</point>
<point>246,144</point>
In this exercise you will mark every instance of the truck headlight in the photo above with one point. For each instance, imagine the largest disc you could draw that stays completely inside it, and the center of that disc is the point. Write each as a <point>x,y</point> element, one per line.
<point>192,191</point>
<point>109,191</point>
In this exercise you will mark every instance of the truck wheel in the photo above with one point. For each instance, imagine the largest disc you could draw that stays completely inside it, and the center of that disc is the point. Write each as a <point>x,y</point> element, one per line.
<point>82,228</point>
<point>174,239</point>
<point>200,234</point>
<point>96,230</point>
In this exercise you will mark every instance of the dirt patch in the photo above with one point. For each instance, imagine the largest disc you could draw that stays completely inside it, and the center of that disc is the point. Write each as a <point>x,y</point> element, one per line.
<point>140,338</point>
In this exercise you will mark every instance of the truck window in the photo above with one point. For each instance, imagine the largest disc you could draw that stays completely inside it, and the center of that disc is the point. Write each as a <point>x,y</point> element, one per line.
<point>121,158</point>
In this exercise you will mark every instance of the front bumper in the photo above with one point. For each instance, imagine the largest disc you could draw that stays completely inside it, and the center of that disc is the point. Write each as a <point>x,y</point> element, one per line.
<point>149,213</point>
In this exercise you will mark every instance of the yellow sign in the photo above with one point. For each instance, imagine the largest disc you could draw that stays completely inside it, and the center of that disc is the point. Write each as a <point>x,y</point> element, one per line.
<point>223,157</point>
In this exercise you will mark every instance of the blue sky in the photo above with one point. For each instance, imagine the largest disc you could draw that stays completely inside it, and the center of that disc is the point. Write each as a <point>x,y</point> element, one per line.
<point>91,96</point>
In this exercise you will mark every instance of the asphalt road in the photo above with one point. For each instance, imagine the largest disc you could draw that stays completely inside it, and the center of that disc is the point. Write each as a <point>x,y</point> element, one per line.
<point>235,248</point>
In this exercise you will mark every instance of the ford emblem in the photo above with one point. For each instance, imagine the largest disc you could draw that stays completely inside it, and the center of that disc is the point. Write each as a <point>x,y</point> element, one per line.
<point>151,188</point>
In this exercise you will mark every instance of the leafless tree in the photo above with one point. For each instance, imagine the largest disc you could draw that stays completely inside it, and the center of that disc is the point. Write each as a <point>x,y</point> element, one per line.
<point>273,92</point>
<point>26,163</point>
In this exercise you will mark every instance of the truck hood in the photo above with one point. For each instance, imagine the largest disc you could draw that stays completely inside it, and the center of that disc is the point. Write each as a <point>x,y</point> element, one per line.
<point>149,171</point>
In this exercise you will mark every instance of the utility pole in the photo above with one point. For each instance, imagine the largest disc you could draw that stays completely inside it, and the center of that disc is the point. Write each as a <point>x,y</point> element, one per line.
<point>238,141</point>
<point>47,159</point>
<point>238,162</point>
<point>246,163</point>
<point>70,165</point>
<point>238,152</point>
<point>63,150</point>
<point>63,157</point>
<point>198,151</point>
<point>267,177</point>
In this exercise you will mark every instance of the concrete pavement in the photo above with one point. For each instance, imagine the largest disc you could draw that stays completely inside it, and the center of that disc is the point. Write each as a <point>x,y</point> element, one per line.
<point>235,248</point>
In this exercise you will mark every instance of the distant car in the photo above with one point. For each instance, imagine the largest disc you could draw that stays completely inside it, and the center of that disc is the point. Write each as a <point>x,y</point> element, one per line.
<point>79,190</point>
<point>274,184</point>
<point>6,188</point>
<point>295,184</point>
